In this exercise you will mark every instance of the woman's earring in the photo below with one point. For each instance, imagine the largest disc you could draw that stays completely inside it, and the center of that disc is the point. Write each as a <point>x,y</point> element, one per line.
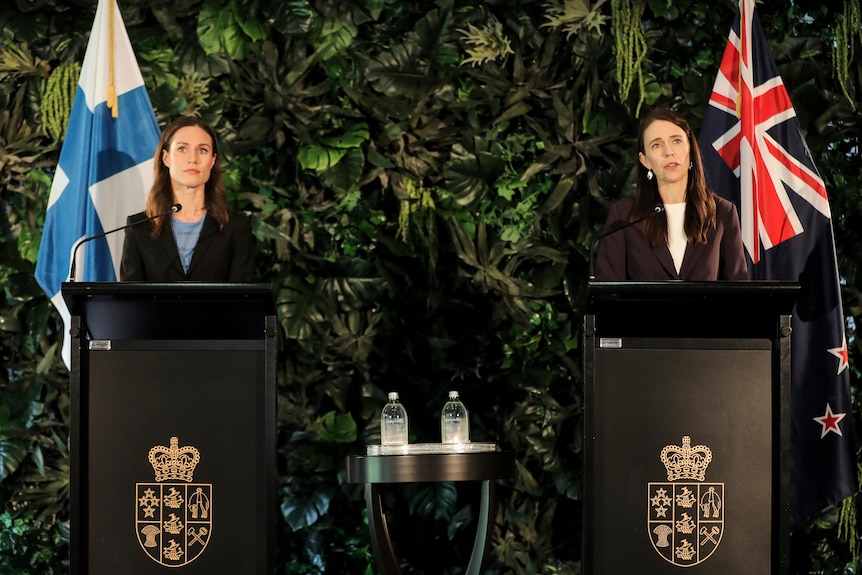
<point>649,175</point>
<point>690,165</point>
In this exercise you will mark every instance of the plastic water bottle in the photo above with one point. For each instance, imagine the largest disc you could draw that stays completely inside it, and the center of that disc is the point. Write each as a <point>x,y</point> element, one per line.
<point>393,422</point>
<point>454,424</point>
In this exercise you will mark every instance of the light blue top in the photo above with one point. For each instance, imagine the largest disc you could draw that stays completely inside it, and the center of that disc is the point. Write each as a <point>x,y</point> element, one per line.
<point>186,236</point>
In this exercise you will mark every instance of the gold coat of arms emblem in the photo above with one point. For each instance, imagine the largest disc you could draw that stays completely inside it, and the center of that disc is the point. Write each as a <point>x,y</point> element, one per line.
<point>686,513</point>
<point>174,514</point>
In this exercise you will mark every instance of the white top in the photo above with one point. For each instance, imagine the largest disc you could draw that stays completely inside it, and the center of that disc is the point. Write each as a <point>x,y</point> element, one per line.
<point>676,240</point>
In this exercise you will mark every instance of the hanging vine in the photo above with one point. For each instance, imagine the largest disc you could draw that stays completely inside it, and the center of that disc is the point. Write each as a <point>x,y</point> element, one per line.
<point>416,220</point>
<point>630,47</point>
<point>845,45</point>
<point>848,523</point>
<point>57,99</point>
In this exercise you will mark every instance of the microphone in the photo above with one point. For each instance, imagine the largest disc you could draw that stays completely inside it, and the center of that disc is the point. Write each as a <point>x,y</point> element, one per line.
<point>657,209</point>
<point>174,209</point>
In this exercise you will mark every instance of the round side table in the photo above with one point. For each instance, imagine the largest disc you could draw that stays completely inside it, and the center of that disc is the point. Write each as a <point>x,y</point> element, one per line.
<point>375,470</point>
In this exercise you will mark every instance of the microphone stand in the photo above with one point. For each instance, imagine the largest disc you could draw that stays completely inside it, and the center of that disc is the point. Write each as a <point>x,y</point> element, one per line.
<point>174,209</point>
<point>657,209</point>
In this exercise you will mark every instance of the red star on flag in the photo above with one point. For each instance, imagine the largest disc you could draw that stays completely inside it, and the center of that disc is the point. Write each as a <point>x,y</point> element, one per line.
<point>830,421</point>
<point>842,355</point>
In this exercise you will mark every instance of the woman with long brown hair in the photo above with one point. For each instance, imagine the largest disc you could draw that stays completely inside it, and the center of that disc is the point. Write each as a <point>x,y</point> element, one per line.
<point>199,241</point>
<point>682,231</point>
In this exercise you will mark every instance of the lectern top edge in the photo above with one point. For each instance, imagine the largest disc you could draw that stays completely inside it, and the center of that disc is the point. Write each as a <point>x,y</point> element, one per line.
<point>776,293</point>
<point>77,294</point>
<point>751,286</point>
<point>98,288</point>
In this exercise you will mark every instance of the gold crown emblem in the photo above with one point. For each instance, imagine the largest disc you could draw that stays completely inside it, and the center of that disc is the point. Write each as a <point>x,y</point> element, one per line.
<point>686,462</point>
<point>174,462</point>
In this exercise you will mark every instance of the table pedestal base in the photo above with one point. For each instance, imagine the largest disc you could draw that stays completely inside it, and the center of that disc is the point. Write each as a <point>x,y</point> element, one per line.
<point>376,470</point>
<point>381,542</point>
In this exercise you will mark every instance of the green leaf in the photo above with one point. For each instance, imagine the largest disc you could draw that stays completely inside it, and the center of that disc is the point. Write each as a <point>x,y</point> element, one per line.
<point>335,428</point>
<point>47,361</point>
<point>12,453</point>
<point>435,35</point>
<point>472,169</point>
<point>234,42</point>
<point>318,157</point>
<point>353,284</point>
<point>435,500</point>
<point>652,92</point>
<point>353,136</point>
<point>28,245</point>
<point>346,174</point>
<point>253,29</point>
<point>398,71</point>
<point>301,310</point>
<point>375,8</point>
<point>329,150</point>
<point>226,29</point>
<point>302,510</point>
<point>335,39</point>
<point>464,516</point>
<point>213,21</point>
<point>293,17</point>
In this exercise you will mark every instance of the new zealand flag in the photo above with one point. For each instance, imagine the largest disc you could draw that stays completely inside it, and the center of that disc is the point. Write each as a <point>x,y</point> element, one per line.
<point>756,156</point>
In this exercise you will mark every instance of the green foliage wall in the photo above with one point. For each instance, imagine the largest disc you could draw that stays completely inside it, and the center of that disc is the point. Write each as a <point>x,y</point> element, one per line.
<point>424,180</point>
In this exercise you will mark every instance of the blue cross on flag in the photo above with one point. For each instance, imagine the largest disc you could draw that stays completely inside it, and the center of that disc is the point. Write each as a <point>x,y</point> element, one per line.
<point>106,163</point>
<point>756,156</point>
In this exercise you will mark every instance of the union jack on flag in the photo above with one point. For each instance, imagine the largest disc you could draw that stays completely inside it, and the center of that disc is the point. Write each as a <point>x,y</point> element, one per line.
<point>755,155</point>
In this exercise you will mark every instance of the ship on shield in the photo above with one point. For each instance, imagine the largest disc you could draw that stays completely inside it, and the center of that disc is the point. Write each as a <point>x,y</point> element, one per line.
<point>686,513</point>
<point>174,514</point>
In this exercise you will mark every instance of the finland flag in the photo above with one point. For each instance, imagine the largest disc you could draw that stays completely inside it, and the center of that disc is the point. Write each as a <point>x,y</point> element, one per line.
<point>106,163</point>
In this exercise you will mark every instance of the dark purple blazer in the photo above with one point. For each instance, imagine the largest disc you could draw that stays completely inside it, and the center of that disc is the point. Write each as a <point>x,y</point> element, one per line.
<point>219,256</point>
<point>627,255</point>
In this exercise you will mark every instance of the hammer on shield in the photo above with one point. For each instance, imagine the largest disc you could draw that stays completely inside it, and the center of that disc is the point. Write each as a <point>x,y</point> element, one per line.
<point>709,535</point>
<point>197,536</point>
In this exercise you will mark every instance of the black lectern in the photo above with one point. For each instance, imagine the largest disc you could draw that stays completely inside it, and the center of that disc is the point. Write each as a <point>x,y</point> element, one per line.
<point>173,390</point>
<point>687,427</point>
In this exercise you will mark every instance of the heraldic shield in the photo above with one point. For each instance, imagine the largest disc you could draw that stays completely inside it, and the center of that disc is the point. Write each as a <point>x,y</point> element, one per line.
<point>174,515</point>
<point>685,514</point>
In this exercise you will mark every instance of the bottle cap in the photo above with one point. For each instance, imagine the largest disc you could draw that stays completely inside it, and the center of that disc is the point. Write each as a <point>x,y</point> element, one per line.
<point>453,395</point>
<point>393,395</point>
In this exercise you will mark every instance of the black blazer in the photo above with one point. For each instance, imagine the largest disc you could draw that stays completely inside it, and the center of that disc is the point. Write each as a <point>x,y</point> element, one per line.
<point>219,256</point>
<point>627,255</point>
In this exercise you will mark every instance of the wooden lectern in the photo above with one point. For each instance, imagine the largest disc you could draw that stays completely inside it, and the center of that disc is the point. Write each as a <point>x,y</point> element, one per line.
<point>173,390</point>
<point>687,427</point>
